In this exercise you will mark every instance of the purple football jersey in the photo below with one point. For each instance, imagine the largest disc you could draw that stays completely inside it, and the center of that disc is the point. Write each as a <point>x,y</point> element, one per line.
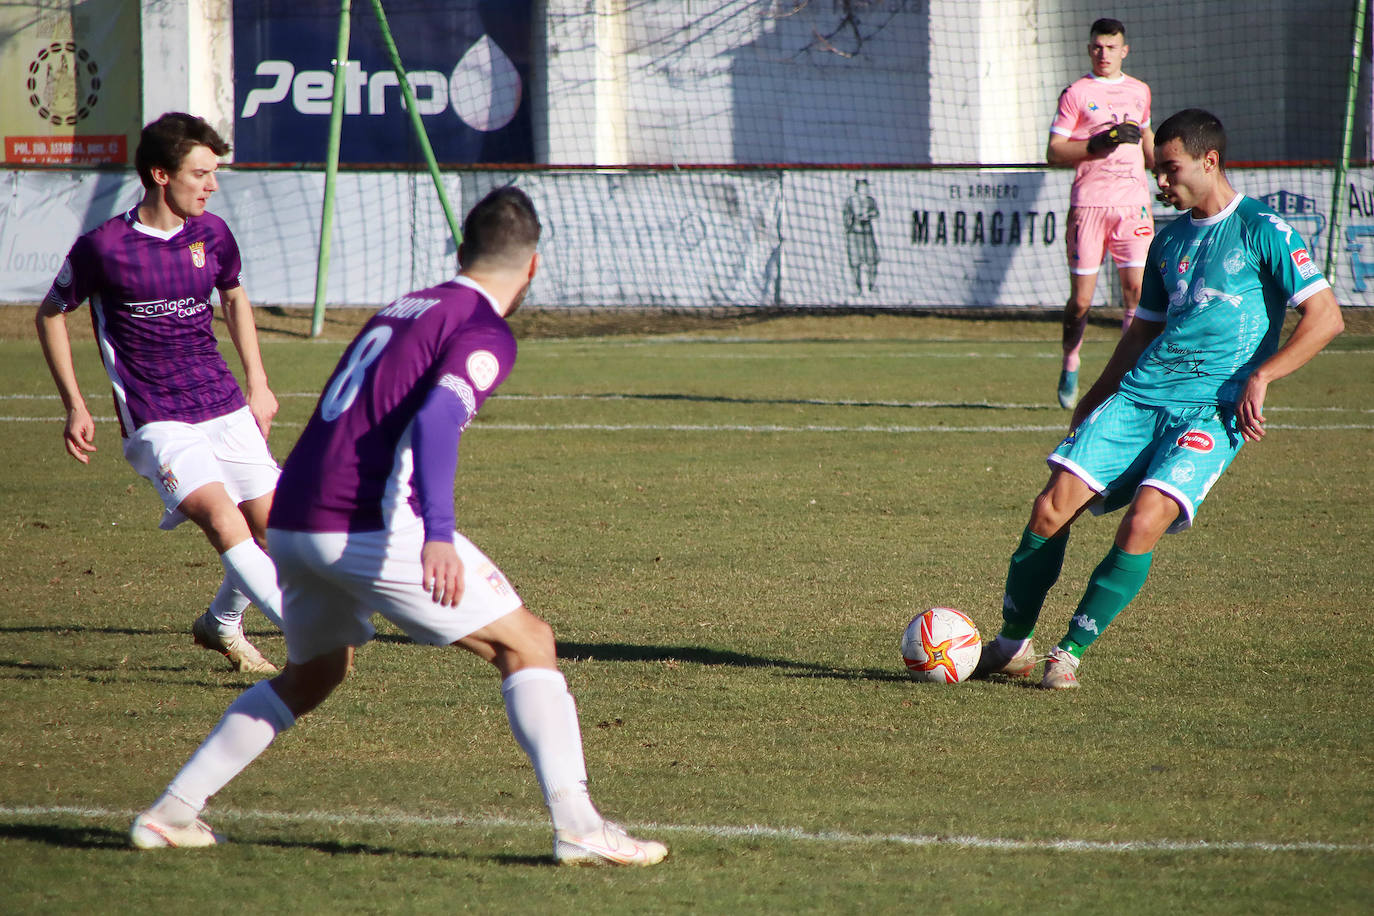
<point>352,468</point>
<point>150,307</point>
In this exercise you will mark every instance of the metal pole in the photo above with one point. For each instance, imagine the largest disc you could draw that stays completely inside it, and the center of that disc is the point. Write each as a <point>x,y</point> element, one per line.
<point>417,124</point>
<point>1352,88</point>
<point>331,166</point>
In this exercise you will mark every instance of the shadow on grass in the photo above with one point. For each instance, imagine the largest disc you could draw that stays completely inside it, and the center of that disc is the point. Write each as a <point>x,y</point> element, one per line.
<point>75,628</point>
<point>184,675</point>
<point>701,655</point>
<point>105,838</point>
<point>695,655</point>
<point>606,652</point>
<point>815,402</point>
<point>67,837</point>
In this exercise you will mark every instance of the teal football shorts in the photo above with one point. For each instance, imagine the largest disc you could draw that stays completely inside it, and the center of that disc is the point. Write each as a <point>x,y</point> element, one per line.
<point>1124,445</point>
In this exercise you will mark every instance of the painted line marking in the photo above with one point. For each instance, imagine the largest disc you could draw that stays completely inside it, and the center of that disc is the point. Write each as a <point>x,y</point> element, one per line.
<point>742,400</point>
<point>725,832</point>
<point>749,428</point>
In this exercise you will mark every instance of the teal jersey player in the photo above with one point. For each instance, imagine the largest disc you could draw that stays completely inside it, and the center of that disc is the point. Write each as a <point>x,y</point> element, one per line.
<point>1221,285</point>
<point>1184,389</point>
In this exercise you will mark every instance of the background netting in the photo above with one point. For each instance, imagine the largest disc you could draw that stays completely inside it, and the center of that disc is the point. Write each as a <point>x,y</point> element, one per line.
<point>884,154</point>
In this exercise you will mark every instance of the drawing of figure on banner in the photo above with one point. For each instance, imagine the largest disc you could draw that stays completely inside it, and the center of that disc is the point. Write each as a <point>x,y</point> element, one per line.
<point>860,211</point>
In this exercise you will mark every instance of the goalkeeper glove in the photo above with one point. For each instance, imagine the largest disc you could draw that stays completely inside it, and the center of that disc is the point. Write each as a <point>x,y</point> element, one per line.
<point>1101,144</point>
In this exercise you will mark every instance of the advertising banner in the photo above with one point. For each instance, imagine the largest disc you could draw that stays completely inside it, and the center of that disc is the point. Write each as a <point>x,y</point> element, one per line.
<point>944,238</point>
<point>467,63</point>
<point>939,238</point>
<point>69,82</point>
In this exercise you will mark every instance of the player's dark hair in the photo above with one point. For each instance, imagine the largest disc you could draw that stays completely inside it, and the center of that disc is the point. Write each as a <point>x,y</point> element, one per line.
<point>1107,27</point>
<point>1198,130</point>
<point>501,228</point>
<point>166,141</point>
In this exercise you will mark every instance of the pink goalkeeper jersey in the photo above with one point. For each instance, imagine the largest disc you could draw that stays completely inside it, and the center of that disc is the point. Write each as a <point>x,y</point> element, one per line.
<point>1089,106</point>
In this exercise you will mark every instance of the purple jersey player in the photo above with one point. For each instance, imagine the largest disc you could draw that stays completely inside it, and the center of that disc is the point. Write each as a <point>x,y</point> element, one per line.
<point>185,424</point>
<point>363,524</point>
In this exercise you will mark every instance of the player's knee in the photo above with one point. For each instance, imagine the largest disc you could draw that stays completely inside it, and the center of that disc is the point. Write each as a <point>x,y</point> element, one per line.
<point>1077,307</point>
<point>304,687</point>
<point>538,639</point>
<point>1053,511</point>
<point>1145,523</point>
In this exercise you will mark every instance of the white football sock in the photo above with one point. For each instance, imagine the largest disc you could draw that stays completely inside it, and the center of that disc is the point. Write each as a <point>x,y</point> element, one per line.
<point>251,571</point>
<point>543,718</point>
<point>249,725</point>
<point>227,608</point>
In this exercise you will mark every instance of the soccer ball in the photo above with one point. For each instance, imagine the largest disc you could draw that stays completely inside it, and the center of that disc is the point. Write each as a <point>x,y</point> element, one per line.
<point>941,646</point>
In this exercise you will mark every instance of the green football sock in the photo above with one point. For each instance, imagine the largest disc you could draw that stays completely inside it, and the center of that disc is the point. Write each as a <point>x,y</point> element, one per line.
<point>1033,570</point>
<point>1117,580</point>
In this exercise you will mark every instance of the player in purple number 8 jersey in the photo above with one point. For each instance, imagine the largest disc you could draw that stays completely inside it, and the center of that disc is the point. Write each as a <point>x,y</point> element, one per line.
<point>363,524</point>
<point>186,425</point>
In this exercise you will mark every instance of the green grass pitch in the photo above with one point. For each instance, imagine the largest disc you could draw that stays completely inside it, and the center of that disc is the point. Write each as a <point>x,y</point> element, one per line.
<point>728,527</point>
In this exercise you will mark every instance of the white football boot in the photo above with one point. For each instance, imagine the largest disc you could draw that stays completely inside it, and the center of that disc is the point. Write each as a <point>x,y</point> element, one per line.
<point>147,833</point>
<point>995,661</point>
<point>1061,671</point>
<point>242,654</point>
<point>607,845</point>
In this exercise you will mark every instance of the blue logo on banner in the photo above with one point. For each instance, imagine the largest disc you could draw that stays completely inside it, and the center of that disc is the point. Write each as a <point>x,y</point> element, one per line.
<point>1302,213</point>
<point>466,61</point>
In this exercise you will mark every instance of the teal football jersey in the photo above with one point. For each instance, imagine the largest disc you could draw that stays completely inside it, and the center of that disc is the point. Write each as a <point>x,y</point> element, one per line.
<point>1221,286</point>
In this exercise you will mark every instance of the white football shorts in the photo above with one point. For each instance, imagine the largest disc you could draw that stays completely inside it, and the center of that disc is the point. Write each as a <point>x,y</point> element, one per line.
<point>180,458</point>
<point>332,583</point>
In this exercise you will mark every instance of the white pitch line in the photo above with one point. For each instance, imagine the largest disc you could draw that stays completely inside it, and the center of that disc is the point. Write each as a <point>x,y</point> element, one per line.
<point>748,428</point>
<point>743,400</point>
<point>719,831</point>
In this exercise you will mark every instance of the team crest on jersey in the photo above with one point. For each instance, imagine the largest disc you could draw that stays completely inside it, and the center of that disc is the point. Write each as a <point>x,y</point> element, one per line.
<point>482,368</point>
<point>1184,263</point>
<point>198,254</point>
<point>169,480</point>
<point>1234,262</point>
<point>1196,440</point>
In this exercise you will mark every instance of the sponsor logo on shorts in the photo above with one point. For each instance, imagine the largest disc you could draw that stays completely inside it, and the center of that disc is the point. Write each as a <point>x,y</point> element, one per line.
<point>498,582</point>
<point>198,254</point>
<point>482,368</point>
<point>1196,440</point>
<point>169,480</point>
<point>1143,231</point>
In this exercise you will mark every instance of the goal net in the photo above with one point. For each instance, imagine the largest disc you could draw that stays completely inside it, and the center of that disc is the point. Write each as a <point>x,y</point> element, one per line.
<point>793,153</point>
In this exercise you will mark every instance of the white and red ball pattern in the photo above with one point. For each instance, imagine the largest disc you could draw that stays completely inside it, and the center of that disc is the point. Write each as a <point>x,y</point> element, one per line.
<point>941,646</point>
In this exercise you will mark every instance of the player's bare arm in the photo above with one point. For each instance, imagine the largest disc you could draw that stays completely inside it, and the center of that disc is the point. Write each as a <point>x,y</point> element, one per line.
<point>1321,321</point>
<point>1133,343</point>
<point>1063,151</point>
<point>1147,146</point>
<point>78,434</point>
<point>238,315</point>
